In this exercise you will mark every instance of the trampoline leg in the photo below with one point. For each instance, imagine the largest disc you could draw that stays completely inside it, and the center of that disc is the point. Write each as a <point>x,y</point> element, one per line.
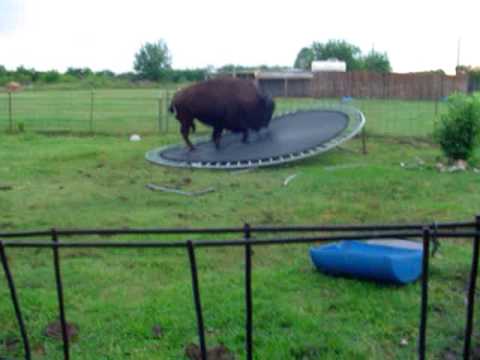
<point>364,141</point>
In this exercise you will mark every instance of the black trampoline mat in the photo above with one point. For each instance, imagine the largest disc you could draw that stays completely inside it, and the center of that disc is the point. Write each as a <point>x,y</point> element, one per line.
<point>288,134</point>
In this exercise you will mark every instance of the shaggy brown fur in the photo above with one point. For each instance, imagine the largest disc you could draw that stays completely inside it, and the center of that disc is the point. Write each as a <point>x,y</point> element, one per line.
<point>225,103</point>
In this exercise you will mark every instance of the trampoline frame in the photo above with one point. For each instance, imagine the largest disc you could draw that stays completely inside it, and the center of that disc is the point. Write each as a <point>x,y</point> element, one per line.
<point>356,123</point>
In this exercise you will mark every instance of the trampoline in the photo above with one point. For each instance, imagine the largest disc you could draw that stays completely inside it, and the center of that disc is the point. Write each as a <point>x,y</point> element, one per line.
<point>290,137</point>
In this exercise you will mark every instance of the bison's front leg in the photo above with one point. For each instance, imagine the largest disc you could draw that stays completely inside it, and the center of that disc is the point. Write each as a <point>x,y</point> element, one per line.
<point>245,136</point>
<point>216,135</point>
<point>185,130</point>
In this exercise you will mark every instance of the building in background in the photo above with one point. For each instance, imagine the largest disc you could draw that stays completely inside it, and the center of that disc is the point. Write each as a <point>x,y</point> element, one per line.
<point>330,65</point>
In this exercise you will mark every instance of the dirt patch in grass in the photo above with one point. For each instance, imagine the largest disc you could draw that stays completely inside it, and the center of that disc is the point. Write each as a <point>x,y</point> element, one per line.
<point>220,352</point>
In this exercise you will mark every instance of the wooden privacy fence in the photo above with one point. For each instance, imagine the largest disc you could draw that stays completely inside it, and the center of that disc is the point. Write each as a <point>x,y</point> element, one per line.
<point>54,240</point>
<point>364,84</point>
<point>414,86</point>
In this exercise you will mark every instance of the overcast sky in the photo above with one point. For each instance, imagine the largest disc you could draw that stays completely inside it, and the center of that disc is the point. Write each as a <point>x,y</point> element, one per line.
<point>105,34</point>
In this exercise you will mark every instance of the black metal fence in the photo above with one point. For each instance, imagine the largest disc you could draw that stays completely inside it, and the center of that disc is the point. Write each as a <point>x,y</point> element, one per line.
<point>250,237</point>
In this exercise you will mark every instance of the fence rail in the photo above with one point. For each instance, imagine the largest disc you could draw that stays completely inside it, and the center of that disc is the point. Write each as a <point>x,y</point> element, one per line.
<point>428,233</point>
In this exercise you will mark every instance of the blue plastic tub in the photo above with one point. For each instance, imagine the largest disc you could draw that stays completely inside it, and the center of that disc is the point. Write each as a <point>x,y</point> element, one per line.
<point>372,261</point>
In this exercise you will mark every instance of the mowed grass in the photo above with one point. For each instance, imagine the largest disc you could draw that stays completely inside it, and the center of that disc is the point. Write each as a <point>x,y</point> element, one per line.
<point>115,297</point>
<point>144,111</point>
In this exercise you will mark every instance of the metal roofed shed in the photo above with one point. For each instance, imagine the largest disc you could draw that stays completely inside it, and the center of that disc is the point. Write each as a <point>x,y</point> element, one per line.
<point>292,83</point>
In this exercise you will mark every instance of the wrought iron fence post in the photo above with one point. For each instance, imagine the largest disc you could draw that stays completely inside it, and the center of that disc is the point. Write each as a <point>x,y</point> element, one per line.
<point>248,294</point>
<point>196,299</point>
<point>424,300</point>
<point>59,286</point>
<point>471,292</point>
<point>15,302</point>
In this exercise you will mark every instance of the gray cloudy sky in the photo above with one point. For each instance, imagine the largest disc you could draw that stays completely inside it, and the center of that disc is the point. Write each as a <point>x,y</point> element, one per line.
<point>55,34</point>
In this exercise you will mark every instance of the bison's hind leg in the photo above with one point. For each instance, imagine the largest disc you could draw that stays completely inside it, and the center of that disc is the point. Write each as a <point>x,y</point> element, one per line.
<point>216,136</point>
<point>185,129</point>
<point>186,122</point>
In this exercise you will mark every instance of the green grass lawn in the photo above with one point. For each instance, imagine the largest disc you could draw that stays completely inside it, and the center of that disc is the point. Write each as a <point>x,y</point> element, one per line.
<point>115,297</point>
<point>139,110</point>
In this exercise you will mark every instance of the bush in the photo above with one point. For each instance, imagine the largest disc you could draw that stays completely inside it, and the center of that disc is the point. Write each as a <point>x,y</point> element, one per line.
<point>459,129</point>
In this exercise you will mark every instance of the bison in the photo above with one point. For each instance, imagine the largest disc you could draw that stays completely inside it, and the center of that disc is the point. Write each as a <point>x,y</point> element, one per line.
<point>225,103</point>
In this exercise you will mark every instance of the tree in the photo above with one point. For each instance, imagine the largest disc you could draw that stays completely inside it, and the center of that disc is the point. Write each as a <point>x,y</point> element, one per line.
<point>51,76</point>
<point>376,61</point>
<point>338,49</point>
<point>105,73</point>
<point>79,73</point>
<point>228,68</point>
<point>344,51</point>
<point>25,75</point>
<point>153,61</point>
<point>304,59</point>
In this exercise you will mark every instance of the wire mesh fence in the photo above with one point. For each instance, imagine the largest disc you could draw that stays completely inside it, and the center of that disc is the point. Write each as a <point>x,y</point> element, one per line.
<point>248,238</point>
<point>100,111</point>
<point>145,111</point>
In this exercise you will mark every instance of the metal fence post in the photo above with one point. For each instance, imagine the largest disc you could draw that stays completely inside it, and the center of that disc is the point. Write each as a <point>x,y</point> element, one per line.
<point>92,99</point>
<point>166,116</point>
<point>10,112</point>
<point>196,299</point>
<point>471,292</point>
<point>248,294</point>
<point>165,113</point>
<point>59,286</point>
<point>159,115</point>
<point>424,301</point>
<point>15,302</point>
